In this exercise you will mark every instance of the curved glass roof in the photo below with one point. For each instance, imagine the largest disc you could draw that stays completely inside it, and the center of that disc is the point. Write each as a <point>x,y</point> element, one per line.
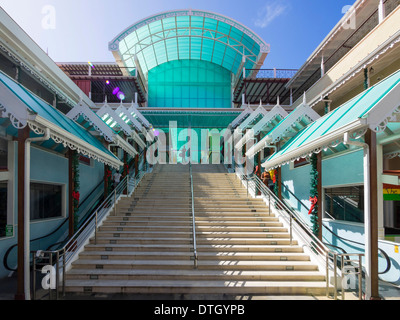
<point>188,34</point>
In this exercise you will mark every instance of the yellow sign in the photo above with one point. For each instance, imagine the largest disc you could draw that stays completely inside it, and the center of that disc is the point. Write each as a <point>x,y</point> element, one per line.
<point>396,249</point>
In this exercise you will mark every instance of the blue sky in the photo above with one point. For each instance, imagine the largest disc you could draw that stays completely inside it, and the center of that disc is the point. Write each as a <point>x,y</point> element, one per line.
<point>83,28</point>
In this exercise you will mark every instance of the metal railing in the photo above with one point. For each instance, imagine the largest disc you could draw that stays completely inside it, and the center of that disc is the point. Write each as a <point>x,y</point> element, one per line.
<point>327,258</point>
<point>271,73</point>
<point>348,267</point>
<point>57,261</point>
<point>195,256</point>
<point>381,251</point>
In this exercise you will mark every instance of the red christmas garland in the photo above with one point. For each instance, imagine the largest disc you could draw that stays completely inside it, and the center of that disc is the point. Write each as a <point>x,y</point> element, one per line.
<point>313,203</point>
<point>76,195</point>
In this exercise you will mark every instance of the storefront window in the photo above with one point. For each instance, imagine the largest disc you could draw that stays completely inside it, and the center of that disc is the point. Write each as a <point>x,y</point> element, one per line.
<point>345,203</point>
<point>46,201</point>
<point>3,209</point>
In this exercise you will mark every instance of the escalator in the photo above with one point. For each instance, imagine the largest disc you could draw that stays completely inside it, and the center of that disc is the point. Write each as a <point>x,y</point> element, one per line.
<point>86,206</point>
<point>344,203</point>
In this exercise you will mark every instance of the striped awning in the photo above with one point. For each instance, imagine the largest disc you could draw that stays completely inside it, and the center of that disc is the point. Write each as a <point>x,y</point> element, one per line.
<point>372,109</point>
<point>24,108</point>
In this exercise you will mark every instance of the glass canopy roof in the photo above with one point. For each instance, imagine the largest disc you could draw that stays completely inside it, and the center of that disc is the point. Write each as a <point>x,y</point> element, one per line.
<point>188,34</point>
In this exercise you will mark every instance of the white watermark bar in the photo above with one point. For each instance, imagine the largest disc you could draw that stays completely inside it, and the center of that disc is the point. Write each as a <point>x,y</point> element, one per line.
<point>202,146</point>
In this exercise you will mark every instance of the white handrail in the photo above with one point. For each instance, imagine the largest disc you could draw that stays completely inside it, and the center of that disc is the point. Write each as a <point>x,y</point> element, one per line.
<point>88,229</point>
<point>193,219</point>
<point>330,258</point>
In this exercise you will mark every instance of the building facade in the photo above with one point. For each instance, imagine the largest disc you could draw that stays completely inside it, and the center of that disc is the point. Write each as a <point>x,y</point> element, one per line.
<point>189,85</point>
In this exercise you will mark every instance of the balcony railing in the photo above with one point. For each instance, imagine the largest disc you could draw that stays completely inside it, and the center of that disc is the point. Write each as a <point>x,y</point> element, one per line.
<point>271,73</point>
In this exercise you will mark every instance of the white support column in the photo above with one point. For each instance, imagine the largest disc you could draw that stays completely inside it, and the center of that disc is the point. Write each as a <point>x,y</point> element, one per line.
<point>381,11</point>
<point>367,209</point>
<point>322,67</point>
<point>379,155</point>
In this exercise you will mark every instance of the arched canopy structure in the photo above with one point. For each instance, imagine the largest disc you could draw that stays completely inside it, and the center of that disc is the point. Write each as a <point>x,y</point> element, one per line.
<point>188,34</point>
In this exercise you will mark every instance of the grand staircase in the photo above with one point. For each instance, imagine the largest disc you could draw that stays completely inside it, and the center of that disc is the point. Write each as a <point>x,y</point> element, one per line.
<point>147,247</point>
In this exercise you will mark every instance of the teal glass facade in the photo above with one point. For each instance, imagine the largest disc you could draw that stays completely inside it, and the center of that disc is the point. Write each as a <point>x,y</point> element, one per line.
<point>190,84</point>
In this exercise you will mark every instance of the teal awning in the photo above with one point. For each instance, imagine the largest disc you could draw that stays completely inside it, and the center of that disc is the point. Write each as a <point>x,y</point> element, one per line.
<point>188,34</point>
<point>42,115</point>
<point>366,110</point>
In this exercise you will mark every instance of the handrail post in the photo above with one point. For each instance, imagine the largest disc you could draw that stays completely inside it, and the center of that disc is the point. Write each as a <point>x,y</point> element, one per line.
<point>34,277</point>
<point>360,277</point>
<point>291,228</point>
<point>95,230</point>
<point>57,273</point>
<point>64,266</point>
<point>51,264</point>
<point>115,201</point>
<point>335,275</point>
<point>342,277</point>
<point>269,204</point>
<point>247,180</point>
<point>193,218</point>
<point>327,273</point>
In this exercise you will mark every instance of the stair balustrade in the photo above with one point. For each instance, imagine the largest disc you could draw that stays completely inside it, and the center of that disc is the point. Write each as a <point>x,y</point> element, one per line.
<point>327,258</point>
<point>56,262</point>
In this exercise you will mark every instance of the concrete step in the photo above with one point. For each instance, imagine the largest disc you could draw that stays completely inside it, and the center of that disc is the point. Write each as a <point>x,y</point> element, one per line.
<point>188,248</point>
<point>211,287</point>
<point>203,256</point>
<point>274,265</point>
<point>221,241</point>
<point>121,233</point>
<point>199,219</point>
<point>188,223</point>
<point>187,228</point>
<point>215,275</point>
<point>147,247</point>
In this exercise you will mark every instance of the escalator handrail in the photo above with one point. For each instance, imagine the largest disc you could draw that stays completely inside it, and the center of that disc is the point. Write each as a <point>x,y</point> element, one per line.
<point>5,258</point>
<point>388,264</point>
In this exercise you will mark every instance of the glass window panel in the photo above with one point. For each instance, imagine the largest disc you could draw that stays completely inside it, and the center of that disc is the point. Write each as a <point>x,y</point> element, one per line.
<point>159,48</point>
<point>169,23</point>
<point>131,39</point>
<point>3,208</point>
<point>236,34</point>
<point>143,32</point>
<point>122,47</point>
<point>155,27</point>
<point>182,22</point>
<point>248,42</point>
<point>195,47</point>
<point>45,201</point>
<point>183,44</point>
<point>210,24</point>
<point>219,51</point>
<point>187,81</point>
<point>227,64</point>
<point>222,38</point>
<point>223,28</point>
<point>208,46</point>
<point>345,203</point>
<point>149,54</point>
<point>197,22</point>
<point>172,51</point>
<point>142,61</point>
<point>3,154</point>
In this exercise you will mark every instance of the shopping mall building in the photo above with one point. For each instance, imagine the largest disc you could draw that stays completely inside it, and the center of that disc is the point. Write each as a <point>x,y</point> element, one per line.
<point>192,121</point>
